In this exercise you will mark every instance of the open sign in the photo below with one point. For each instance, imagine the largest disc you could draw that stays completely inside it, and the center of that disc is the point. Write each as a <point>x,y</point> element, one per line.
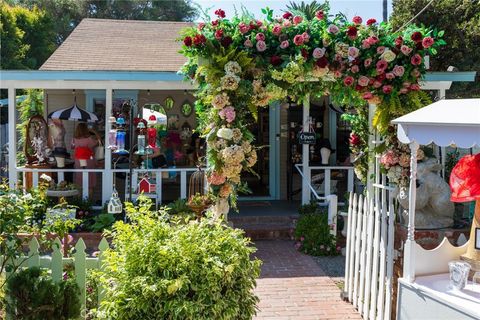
<point>307,137</point>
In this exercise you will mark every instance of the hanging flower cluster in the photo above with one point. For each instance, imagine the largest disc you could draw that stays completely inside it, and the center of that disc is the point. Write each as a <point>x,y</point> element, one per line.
<point>242,64</point>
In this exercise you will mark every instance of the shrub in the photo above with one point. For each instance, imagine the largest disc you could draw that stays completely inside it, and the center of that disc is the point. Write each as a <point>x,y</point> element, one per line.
<point>313,237</point>
<point>31,294</point>
<point>163,270</point>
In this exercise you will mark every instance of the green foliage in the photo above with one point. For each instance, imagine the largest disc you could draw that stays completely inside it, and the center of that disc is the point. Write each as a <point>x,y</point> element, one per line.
<point>313,237</point>
<point>102,222</point>
<point>307,10</point>
<point>310,208</point>
<point>158,270</point>
<point>450,162</point>
<point>31,294</point>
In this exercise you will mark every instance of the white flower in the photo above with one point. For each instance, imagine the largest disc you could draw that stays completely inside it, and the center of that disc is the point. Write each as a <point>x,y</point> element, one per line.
<point>232,67</point>
<point>225,133</point>
<point>229,81</point>
<point>388,55</point>
<point>220,100</point>
<point>46,177</point>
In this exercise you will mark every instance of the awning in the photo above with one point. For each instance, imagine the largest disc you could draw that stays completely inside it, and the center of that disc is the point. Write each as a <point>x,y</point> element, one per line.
<point>445,122</point>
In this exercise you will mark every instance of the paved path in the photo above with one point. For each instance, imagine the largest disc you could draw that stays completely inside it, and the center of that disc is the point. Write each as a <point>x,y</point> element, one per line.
<point>293,286</point>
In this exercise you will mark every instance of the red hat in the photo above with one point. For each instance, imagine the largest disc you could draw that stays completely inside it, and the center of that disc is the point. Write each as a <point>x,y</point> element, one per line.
<point>465,179</point>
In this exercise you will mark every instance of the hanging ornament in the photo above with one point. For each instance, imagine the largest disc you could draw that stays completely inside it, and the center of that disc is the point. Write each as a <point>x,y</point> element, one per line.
<point>151,131</point>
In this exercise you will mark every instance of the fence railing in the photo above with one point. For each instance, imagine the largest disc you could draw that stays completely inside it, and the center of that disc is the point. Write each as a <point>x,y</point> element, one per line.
<point>369,253</point>
<point>55,263</point>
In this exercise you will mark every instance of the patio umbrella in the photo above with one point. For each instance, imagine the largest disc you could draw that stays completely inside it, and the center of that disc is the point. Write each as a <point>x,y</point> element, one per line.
<point>74,113</point>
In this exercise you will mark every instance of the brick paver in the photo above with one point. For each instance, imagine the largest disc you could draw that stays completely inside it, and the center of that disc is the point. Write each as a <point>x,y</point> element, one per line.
<point>293,286</point>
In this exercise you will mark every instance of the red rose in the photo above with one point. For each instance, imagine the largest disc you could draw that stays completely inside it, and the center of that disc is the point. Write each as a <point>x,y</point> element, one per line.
<point>357,20</point>
<point>355,139</point>
<point>417,36</point>
<point>419,45</point>
<point>381,77</point>
<point>219,34</point>
<point>367,95</point>
<point>276,60</point>
<point>260,36</point>
<point>320,15</point>
<point>348,81</point>
<point>253,25</point>
<point>416,59</point>
<point>371,21</point>
<point>427,42</point>
<point>201,25</point>
<point>187,41</point>
<point>220,13</point>
<point>352,32</point>
<point>199,39</point>
<point>298,39</point>
<point>287,15</point>
<point>387,89</point>
<point>226,41</point>
<point>322,62</point>
<point>399,41</point>
<point>414,87</point>
<point>304,53</point>
<point>297,20</point>
<point>215,23</point>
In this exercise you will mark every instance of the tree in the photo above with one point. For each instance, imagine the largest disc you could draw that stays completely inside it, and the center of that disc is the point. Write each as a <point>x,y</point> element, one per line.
<point>13,50</point>
<point>307,10</point>
<point>461,21</point>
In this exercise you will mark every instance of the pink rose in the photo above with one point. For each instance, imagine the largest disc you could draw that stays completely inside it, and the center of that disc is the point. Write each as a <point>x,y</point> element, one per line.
<point>353,52</point>
<point>372,40</point>
<point>320,15</point>
<point>216,178</point>
<point>306,37</point>
<point>219,34</point>
<point>416,59</point>
<point>333,29</point>
<point>298,39</point>
<point>261,46</point>
<point>415,73</point>
<point>367,95</point>
<point>403,90</point>
<point>382,65</point>
<point>297,20</point>
<point>398,71</point>
<point>243,28</point>
<point>284,44</point>
<point>201,25</point>
<point>227,114</point>
<point>248,43</point>
<point>367,62</point>
<point>354,69</point>
<point>318,53</point>
<point>337,74</point>
<point>377,84</point>
<point>405,50</point>
<point>357,20</point>
<point>348,81</point>
<point>371,21</point>
<point>380,50</point>
<point>390,76</point>
<point>277,30</point>
<point>387,89</point>
<point>260,37</point>
<point>363,81</point>
<point>365,44</point>
<point>414,87</point>
<point>287,23</point>
<point>427,42</point>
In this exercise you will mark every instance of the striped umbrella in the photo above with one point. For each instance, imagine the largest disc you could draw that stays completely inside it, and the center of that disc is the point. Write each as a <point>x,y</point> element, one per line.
<point>74,113</point>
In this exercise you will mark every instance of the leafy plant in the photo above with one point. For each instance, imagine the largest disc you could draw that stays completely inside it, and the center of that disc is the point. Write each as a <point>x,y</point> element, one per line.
<point>159,270</point>
<point>31,294</point>
<point>102,221</point>
<point>307,10</point>
<point>310,208</point>
<point>178,206</point>
<point>313,237</point>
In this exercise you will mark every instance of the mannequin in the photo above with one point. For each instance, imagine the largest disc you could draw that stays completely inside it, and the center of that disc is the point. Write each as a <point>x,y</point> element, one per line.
<point>57,140</point>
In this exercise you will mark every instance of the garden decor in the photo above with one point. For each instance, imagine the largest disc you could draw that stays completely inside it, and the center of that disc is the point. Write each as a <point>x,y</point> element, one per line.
<point>36,143</point>
<point>115,204</point>
<point>465,185</point>
<point>241,64</point>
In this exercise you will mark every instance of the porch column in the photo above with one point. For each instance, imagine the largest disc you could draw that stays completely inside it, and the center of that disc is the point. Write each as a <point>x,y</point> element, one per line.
<point>12,138</point>
<point>306,152</point>
<point>107,179</point>
<point>409,253</point>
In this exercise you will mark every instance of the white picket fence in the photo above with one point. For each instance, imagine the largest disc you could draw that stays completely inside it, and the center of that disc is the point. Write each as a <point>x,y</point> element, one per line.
<point>369,252</point>
<point>56,261</point>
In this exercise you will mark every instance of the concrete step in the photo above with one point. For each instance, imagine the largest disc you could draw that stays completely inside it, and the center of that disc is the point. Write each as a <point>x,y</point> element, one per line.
<point>266,227</point>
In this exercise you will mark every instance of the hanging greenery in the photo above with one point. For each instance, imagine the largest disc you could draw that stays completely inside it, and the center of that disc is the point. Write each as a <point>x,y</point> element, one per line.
<point>241,64</point>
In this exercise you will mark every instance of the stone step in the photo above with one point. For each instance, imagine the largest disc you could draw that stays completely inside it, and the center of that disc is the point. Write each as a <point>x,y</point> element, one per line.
<point>266,227</point>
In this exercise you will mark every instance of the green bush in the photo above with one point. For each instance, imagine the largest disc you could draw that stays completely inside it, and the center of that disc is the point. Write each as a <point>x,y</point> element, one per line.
<point>31,294</point>
<point>163,270</point>
<point>313,237</point>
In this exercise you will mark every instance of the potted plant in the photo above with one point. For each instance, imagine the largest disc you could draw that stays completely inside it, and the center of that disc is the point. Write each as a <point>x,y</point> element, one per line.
<point>198,203</point>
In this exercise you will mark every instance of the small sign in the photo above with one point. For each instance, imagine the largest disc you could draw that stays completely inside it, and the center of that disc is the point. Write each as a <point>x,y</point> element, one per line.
<point>307,137</point>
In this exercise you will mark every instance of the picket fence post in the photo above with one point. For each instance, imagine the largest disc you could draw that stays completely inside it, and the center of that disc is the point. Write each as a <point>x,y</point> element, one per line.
<point>33,254</point>
<point>103,246</point>
<point>57,261</point>
<point>80,270</point>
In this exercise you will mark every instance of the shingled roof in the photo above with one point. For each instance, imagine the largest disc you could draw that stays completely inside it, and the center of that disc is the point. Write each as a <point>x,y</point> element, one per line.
<point>120,45</point>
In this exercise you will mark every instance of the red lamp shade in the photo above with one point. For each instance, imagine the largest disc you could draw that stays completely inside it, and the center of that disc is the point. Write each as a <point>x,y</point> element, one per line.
<point>465,179</point>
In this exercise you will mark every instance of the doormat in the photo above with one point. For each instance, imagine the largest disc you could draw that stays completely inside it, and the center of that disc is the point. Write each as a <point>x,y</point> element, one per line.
<point>255,204</point>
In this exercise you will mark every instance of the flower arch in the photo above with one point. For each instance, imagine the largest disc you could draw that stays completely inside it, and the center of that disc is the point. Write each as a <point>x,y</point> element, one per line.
<point>242,64</point>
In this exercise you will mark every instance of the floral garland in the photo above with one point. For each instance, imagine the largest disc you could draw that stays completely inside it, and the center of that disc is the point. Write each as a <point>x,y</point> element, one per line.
<point>242,64</point>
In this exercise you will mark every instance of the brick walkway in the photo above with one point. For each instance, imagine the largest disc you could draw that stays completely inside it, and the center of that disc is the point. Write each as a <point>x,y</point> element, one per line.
<point>293,286</point>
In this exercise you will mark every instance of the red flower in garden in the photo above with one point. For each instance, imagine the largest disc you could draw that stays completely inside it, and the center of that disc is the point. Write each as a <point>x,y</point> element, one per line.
<point>352,32</point>
<point>427,42</point>
<point>276,60</point>
<point>219,34</point>
<point>215,23</point>
<point>381,77</point>
<point>188,41</point>
<point>304,53</point>
<point>416,59</point>
<point>253,25</point>
<point>243,27</point>
<point>419,45</point>
<point>226,41</point>
<point>399,41</point>
<point>387,89</point>
<point>382,64</point>
<point>199,39</point>
<point>322,62</point>
<point>297,19</point>
<point>357,20</point>
<point>201,25</point>
<point>287,15</point>
<point>348,81</point>
<point>260,36</point>
<point>371,21</point>
<point>414,87</point>
<point>367,95</point>
<point>417,36</point>
<point>220,13</point>
<point>355,139</point>
<point>298,39</point>
<point>320,15</point>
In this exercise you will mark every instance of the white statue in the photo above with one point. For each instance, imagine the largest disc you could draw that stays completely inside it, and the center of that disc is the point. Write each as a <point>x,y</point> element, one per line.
<point>433,206</point>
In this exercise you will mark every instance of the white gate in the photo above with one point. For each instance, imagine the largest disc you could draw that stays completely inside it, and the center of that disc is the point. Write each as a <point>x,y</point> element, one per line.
<point>369,251</point>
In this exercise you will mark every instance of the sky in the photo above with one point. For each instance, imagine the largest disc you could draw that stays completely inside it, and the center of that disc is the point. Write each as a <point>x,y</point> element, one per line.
<point>364,8</point>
